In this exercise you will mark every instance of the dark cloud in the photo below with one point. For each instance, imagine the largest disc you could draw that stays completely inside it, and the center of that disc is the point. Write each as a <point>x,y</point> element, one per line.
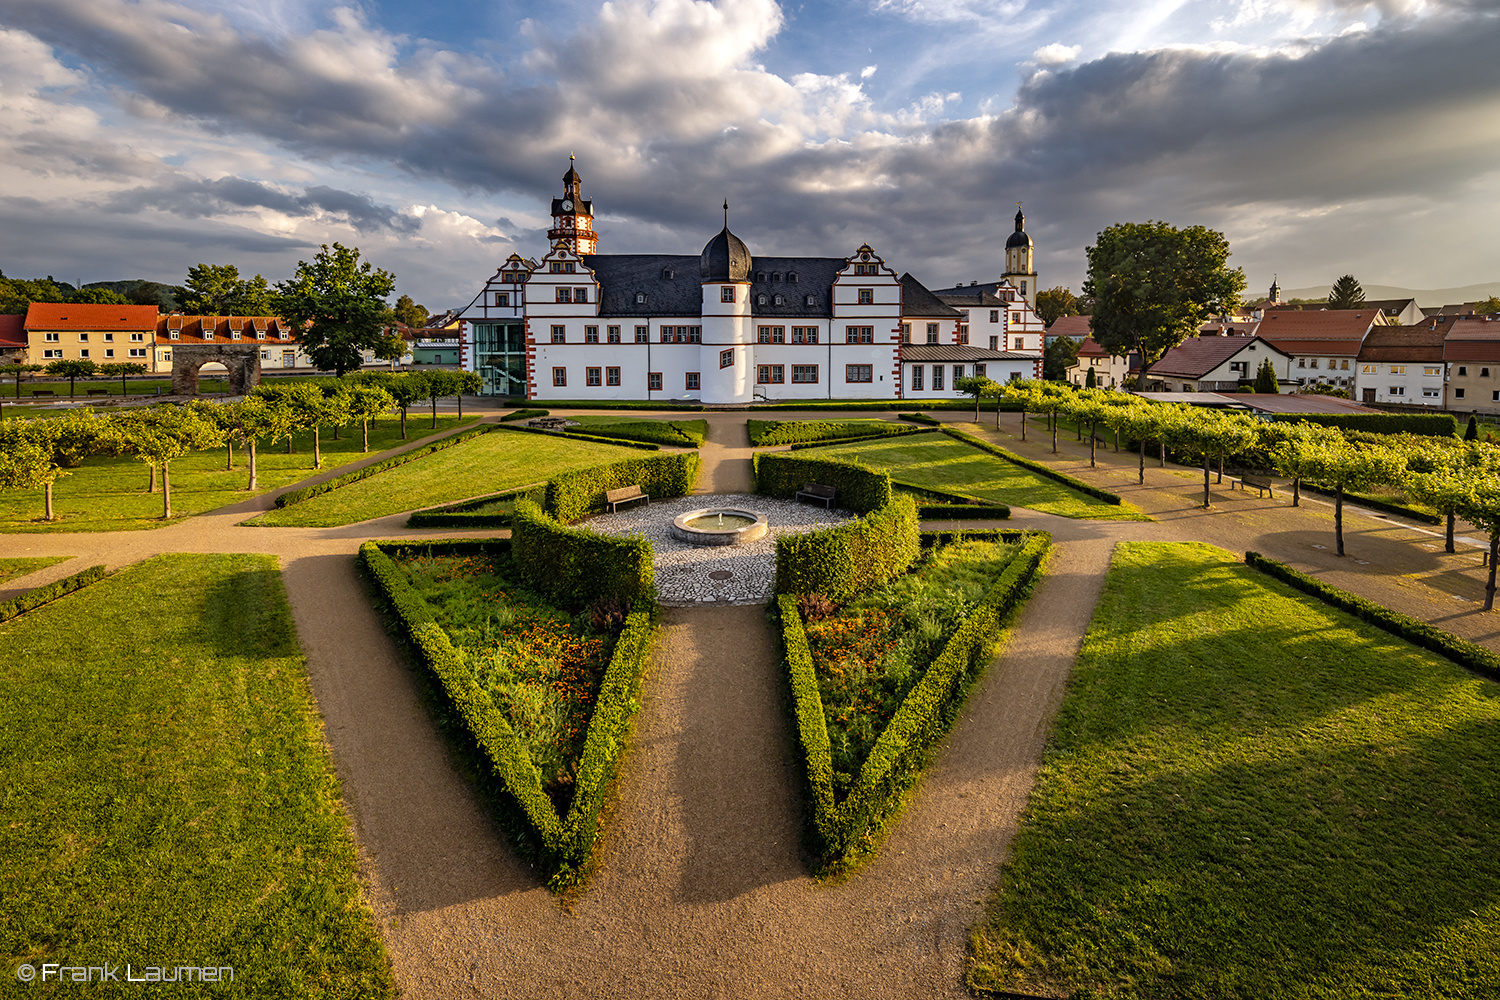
<point>200,198</point>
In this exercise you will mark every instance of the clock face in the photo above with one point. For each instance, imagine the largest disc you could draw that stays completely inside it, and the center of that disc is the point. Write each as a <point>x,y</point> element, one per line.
<point>567,205</point>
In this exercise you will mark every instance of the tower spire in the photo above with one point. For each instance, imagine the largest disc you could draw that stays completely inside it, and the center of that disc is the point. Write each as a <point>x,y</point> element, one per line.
<point>726,214</point>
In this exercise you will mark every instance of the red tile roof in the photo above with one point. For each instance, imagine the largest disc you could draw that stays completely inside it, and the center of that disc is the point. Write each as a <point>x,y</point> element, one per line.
<point>12,331</point>
<point>79,316</point>
<point>1417,343</point>
<point>190,329</point>
<point>1320,324</point>
<point>1090,349</point>
<point>1069,326</point>
<point>1317,348</point>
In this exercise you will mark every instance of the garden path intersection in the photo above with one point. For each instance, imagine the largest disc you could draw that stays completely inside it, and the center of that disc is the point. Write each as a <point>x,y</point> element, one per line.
<point>701,891</point>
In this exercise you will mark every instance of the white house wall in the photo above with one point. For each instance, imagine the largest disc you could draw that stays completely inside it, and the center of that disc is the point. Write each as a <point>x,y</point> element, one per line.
<point>1419,383</point>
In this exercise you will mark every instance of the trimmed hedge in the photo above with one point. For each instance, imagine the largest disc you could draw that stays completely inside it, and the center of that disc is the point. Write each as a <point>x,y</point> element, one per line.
<point>1429,424</point>
<point>1418,633</point>
<point>933,494</point>
<point>677,433</point>
<point>291,497</point>
<point>573,566</point>
<point>622,404</point>
<point>931,538</point>
<point>527,414</point>
<point>1007,405</point>
<point>562,847</point>
<point>834,442</point>
<point>643,445</point>
<point>963,512</point>
<point>1037,467</point>
<point>1374,503</point>
<point>919,418</point>
<point>467,515</point>
<point>851,558</point>
<point>51,592</point>
<point>841,829</point>
<point>574,494</point>
<point>773,432</point>
<point>860,489</point>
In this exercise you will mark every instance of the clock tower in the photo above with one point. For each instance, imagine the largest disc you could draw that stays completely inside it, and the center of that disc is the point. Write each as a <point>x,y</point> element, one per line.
<point>1020,269</point>
<point>573,217</point>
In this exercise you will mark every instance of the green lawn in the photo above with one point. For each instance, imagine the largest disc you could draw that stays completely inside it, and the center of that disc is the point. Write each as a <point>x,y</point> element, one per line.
<point>12,568</point>
<point>940,462</point>
<point>137,387</point>
<point>499,460</point>
<point>168,795</point>
<point>109,494</point>
<point>1248,794</point>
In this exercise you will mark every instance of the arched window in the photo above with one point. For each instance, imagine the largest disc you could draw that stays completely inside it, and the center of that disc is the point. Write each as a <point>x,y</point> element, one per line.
<point>775,275</point>
<point>760,276</point>
<point>760,300</point>
<point>792,277</point>
<point>812,300</point>
<point>640,298</point>
<point>779,300</point>
<point>666,273</point>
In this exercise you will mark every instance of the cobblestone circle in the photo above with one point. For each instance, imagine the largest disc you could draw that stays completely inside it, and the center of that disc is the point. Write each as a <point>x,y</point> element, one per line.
<point>683,570</point>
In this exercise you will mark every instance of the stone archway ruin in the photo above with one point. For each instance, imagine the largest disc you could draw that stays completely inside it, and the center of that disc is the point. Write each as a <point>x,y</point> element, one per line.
<point>241,360</point>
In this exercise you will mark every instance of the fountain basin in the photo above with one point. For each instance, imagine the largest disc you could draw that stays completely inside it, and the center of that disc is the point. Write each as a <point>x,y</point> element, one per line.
<point>719,526</point>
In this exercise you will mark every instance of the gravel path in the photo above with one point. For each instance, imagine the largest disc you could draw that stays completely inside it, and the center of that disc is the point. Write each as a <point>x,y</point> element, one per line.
<point>702,892</point>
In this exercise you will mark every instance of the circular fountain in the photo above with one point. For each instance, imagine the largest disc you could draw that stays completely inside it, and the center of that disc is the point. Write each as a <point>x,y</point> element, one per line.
<point>719,526</point>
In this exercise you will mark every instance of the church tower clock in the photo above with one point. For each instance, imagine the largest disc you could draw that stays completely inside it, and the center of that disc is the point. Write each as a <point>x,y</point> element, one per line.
<point>1020,269</point>
<point>573,217</point>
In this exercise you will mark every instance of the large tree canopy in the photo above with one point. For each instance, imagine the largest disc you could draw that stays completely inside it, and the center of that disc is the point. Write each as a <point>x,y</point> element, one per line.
<point>1056,302</point>
<point>218,290</point>
<point>1153,285</point>
<point>338,304</point>
<point>1346,293</point>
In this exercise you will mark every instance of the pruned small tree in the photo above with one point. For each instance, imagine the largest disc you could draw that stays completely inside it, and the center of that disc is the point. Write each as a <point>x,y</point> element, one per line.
<point>1473,491</point>
<point>1026,393</point>
<point>407,388</point>
<point>465,384</point>
<point>72,371</point>
<point>976,386</point>
<point>122,369</point>
<point>1208,433</point>
<point>1088,409</point>
<point>1143,422</point>
<point>1333,462</point>
<point>365,402</point>
<point>1428,459</point>
<point>27,461</point>
<point>158,435</point>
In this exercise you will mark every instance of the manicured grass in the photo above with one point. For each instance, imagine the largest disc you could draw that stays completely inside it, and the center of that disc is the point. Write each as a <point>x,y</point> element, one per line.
<point>674,433</point>
<point>12,568</point>
<point>492,463</point>
<point>940,462</point>
<point>109,494</point>
<point>168,795</point>
<point>1250,794</point>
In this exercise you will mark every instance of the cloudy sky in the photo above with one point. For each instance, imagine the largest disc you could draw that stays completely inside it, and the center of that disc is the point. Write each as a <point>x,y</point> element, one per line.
<point>138,137</point>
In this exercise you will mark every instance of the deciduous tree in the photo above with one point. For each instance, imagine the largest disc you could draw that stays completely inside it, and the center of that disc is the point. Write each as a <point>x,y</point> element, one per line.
<point>338,303</point>
<point>122,369</point>
<point>1058,357</point>
<point>158,435</point>
<point>365,403</point>
<point>408,312</point>
<point>218,290</point>
<point>976,386</point>
<point>26,459</point>
<point>406,389</point>
<point>1332,461</point>
<point>72,371</point>
<point>1055,303</point>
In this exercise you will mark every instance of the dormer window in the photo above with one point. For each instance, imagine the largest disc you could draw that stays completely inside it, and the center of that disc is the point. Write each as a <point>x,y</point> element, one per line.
<point>640,298</point>
<point>775,275</point>
<point>668,273</point>
<point>811,300</point>
<point>779,300</point>
<point>792,277</point>
<point>761,300</point>
<point>760,276</point>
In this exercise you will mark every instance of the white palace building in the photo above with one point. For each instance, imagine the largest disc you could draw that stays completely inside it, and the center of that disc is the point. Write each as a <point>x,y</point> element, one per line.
<point>726,326</point>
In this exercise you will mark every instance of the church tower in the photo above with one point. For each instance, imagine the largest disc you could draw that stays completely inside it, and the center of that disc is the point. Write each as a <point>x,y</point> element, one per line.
<point>1275,291</point>
<point>1020,269</point>
<point>573,217</point>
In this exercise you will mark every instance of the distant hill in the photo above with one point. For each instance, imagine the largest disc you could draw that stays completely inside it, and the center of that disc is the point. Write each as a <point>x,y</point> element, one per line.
<point>162,297</point>
<point>1425,296</point>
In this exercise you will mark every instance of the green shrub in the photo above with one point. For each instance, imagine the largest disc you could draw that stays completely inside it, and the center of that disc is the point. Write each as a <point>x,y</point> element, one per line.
<point>859,489</point>
<point>963,512</point>
<point>623,443</point>
<point>575,494</point>
<point>1429,424</point>
<point>51,592</point>
<point>919,418</point>
<point>677,433</point>
<point>841,829</point>
<point>291,497</point>
<point>572,566</point>
<point>527,414</point>
<point>1037,467</point>
<point>561,847</point>
<point>471,513</point>
<point>1418,633</point>
<point>772,432</point>
<point>834,442</point>
<point>851,558</point>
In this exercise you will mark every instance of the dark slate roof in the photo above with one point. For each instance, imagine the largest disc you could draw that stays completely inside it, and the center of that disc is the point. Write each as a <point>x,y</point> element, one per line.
<point>622,276</point>
<point>725,258</point>
<point>993,287</point>
<point>920,353</point>
<point>973,299</point>
<point>916,300</point>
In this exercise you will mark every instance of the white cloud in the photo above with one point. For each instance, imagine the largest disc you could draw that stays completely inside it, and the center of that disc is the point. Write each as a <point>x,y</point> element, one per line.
<point>1056,54</point>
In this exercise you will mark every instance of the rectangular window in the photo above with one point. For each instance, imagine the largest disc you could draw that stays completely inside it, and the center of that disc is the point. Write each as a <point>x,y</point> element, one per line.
<point>906,333</point>
<point>613,334</point>
<point>1432,393</point>
<point>867,296</point>
<point>937,378</point>
<point>591,376</point>
<point>1484,373</point>
<point>83,353</point>
<point>611,376</point>
<point>858,373</point>
<point>591,335</point>
<point>805,373</point>
<point>1397,390</point>
<point>1313,363</point>
<point>994,315</point>
<point>502,298</point>
<point>1301,362</point>
<point>653,382</point>
<point>1015,317</point>
<point>109,352</point>
<point>52,354</point>
<point>642,334</point>
<point>770,374</point>
<point>932,333</point>
<point>565,295</point>
<point>51,338</point>
<point>559,376</point>
<point>580,295</point>
<point>726,294</point>
<point>804,335</point>
<point>260,335</point>
<point>137,352</point>
<point>771,335</point>
<point>916,377</point>
<point>109,338</point>
<point>694,334</point>
<point>1344,365</point>
<point>264,355</point>
<point>666,334</point>
<point>1368,369</point>
<point>1458,394</point>
<point>559,335</point>
<point>859,335</point>
<point>1398,369</point>
<point>994,343</point>
<point>1432,370</point>
<point>692,381</point>
<point>136,338</point>
<point>958,373</point>
<point>979,371</point>
<point>726,359</point>
<point>963,333</point>
<point>1463,369</point>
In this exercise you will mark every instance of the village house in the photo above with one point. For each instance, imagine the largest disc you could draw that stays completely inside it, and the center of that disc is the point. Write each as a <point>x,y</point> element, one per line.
<point>1222,363</point>
<point>1324,343</point>
<point>1403,364</point>
<point>1471,350</point>
<point>1110,370</point>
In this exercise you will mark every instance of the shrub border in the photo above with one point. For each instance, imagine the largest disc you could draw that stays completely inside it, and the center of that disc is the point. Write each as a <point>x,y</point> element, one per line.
<point>1418,633</point>
<point>963,512</point>
<point>920,418</point>
<point>297,496</point>
<point>461,515</point>
<point>563,848</point>
<point>50,592</point>
<point>563,436</point>
<point>524,414</point>
<point>841,832</point>
<point>855,434</point>
<point>623,431</point>
<point>1037,467</point>
<point>831,442</point>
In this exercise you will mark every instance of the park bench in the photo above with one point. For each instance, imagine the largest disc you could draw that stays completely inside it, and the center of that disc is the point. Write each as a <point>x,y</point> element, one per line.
<point>44,392</point>
<point>817,491</point>
<point>625,494</point>
<point>98,392</point>
<point>1262,484</point>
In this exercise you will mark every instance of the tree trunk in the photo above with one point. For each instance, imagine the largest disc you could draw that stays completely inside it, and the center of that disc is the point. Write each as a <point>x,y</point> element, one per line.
<point>1449,546</point>
<point>123,390</point>
<point>289,436</point>
<point>1489,587</point>
<point>1161,450</point>
<point>976,406</point>
<point>366,425</point>
<point>1296,492</point>
<point>1054,434</point>
<point>229,457</point>
<point>1080,430</point>
<point>1141,479</point>
<point>1206,504</point>
<point>403,423</point>
<point>1093,441</point>
<point>434,412</point>
<point>335,432</point>
<point>49,502</point>
<point>1338,519</point>
<point>460,398</point>
<point>1117,440</point>
<point>166,491</point>
<point>997,420</point>
<point>70,387</point>
<point>250,445</point>
<point>317,447</point>
<point>151,484</point>
<point>1220,479</point>
<point>997,413</point>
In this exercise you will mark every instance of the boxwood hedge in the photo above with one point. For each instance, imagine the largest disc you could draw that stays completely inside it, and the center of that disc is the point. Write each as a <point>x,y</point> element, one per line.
<point>621,442</point>
<point>860,489</point>
<point>840,830</point>
<point>526,414</point>
<point>469,513</point>
<point>571,565</point>
<point>50,592</point>
<point>677,433</point>
<point>1430,424</point>
<point>1037,467</point>
<point>562,847</point>
<point>318,489</point>
<point>963,512</point>
<point>773,432</point>
<point>1418,633</point>
<point>851,558</point>
<point>575,494</point>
